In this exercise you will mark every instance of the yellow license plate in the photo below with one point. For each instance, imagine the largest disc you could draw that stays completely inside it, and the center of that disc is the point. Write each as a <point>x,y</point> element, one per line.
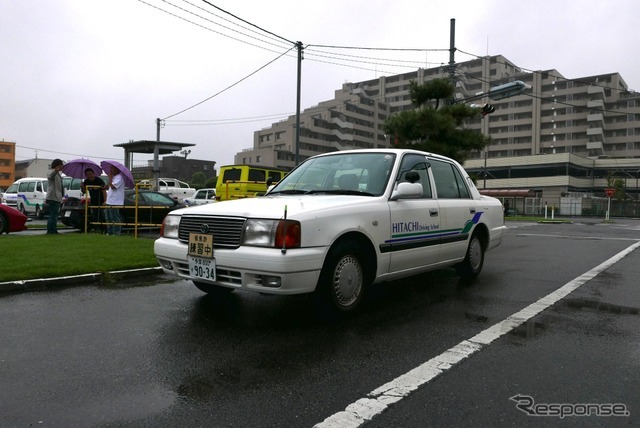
<point>200,245</point>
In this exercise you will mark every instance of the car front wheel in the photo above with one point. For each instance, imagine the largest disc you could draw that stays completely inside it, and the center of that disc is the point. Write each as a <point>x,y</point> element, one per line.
<point>471,266</point>
<point>343,278</point>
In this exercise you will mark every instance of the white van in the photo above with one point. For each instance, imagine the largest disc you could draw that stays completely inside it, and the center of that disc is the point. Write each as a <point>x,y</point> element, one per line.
<point>27,195</point>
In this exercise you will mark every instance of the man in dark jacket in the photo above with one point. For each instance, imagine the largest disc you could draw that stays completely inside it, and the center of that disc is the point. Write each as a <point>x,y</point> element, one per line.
<point>55,193</point>
<point>97,195</point>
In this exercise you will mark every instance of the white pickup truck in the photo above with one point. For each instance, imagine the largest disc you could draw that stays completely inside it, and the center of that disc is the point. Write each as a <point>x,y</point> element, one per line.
<point>175,189</point>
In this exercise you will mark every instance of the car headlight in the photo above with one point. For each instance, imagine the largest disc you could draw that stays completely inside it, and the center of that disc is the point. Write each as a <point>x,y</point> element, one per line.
<point>170,226</point>
<point>272,233</point>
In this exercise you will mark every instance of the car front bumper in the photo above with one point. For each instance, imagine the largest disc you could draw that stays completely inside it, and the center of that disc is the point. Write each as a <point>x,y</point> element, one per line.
<point>265,270</point>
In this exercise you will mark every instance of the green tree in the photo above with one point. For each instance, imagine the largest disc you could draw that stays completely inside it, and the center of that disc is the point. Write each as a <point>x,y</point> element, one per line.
<point>435,126</point>
<point>210,183</point>
<point>198,179</point>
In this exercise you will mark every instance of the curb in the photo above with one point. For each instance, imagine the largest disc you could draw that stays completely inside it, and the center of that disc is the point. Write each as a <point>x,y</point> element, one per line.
<point>89,278</point>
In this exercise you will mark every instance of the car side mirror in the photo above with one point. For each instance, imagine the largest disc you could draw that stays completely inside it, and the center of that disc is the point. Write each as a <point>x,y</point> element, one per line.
<point>407,190</point>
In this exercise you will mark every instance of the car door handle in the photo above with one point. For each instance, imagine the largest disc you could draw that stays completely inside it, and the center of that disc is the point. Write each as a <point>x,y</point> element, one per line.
<point>472,210</point>
<point>433,212</point>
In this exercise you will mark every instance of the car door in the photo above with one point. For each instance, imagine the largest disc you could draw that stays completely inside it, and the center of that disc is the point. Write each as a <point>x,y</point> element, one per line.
<point>415,221</point>
<point>458,210</point>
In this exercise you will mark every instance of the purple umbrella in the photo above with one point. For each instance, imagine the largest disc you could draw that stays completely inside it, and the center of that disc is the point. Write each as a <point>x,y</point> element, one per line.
<point>75,168</point>
<point>126,174</point>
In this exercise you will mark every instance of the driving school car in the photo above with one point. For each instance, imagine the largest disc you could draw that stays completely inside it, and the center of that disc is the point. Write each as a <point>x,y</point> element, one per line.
<point>335,224</point>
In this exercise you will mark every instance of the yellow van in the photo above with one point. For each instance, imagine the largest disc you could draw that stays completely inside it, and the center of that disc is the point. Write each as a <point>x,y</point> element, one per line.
<point>244,181</point>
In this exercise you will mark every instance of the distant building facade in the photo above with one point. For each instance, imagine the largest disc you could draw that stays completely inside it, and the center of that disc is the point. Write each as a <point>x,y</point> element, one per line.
<point>178,167</point>
<point>36,167</point>
<point>7,163</point>
<point>587,119</point>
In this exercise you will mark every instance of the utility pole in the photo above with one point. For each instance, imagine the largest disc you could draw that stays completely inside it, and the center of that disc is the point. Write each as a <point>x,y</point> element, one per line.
<point>156,155</point>
<point>297,151</point>
<point>452,62</point>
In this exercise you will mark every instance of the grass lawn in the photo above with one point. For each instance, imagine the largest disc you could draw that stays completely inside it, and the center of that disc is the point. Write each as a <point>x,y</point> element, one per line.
<point>48,256</point>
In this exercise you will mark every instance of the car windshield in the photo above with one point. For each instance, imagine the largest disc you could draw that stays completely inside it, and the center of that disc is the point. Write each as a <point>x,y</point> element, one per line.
<point>343,173</point>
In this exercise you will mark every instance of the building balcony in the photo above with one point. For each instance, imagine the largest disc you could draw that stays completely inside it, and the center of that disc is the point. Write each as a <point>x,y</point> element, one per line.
<point>595,104</point>
<point>595,145</point>
<point>596,90</point>
<point>595,132</point>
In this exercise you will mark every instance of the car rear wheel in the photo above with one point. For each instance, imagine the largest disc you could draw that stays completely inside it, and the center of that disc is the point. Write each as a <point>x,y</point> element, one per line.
<point>212,288</point>
<point>4,224</point>
<point>39,213</point>
<point>342,279</point>
<point>471,266</point>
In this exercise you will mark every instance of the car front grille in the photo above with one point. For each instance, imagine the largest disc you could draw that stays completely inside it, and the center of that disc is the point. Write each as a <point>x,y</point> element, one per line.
<point>226,231</point>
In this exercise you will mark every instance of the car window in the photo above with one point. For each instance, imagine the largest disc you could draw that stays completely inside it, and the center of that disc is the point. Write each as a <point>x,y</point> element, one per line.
<point>232,174</point>
<point>257,175</point>
<point>153,198</point>
<point>449,182</point>
<point>416,164</point>
<point>28,186</point>
<point>201,194</point>
<point>275,175</point>
<point>367,173</point>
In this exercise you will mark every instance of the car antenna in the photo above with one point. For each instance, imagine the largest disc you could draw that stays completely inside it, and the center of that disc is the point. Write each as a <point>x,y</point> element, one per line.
<point>284,237</point>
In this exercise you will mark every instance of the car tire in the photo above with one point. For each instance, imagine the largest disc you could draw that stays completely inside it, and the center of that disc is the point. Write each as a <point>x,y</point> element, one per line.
<point>212,288</point>
<point>39,212</point>
<point>22,209</point>
<point>4,224</point>
<point>343,279</point>
<point>471,266</point>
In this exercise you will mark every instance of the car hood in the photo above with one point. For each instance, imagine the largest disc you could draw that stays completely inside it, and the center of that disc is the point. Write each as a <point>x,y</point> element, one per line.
<point>274,206</point>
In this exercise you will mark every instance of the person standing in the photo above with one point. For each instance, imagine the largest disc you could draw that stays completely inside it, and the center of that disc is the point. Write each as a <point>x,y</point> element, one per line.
<point>115,197</point>
<point>53,198</point>
<point>97,196</point>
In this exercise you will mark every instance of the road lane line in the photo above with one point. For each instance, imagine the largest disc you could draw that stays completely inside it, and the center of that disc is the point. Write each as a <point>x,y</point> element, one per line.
<point>377,401</point>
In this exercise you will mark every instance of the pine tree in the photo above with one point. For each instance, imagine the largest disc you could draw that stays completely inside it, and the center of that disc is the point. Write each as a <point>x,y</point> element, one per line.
<point>435,125</point>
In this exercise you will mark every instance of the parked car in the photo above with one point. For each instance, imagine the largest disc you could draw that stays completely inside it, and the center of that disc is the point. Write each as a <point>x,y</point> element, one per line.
<point>176,189</point>
<point>201,197</point>
<point>152,208</point>
<point>11,220</point>
<point>335,224</point>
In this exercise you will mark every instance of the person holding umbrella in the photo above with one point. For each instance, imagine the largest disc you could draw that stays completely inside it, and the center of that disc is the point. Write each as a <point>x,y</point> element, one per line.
<point>97,195</point>
<point>115,197</point>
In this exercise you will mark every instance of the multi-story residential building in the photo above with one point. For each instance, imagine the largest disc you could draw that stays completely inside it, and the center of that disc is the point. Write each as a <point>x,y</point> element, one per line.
<point>588,119</point>
<point>7,163</point>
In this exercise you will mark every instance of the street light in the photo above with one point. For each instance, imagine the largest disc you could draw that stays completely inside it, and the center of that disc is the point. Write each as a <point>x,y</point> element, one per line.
<point>508,90</point>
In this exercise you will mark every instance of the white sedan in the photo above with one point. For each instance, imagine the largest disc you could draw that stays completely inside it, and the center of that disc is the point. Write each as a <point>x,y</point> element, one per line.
<point>335,224</point>
<point>201,197</point>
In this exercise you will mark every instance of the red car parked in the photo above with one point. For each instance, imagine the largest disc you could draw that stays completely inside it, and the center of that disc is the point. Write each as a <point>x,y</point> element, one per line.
<point>11,220</point>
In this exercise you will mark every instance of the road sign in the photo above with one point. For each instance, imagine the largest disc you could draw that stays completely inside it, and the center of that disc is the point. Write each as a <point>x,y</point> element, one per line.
<point>609,192</point>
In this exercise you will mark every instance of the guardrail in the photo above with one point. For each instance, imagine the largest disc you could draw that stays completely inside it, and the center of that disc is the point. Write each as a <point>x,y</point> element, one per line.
<point>136,208</point>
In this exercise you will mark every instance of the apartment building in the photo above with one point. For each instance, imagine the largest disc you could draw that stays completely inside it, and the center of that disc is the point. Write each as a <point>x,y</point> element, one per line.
<point>7,164</point>
<point>593,118</point>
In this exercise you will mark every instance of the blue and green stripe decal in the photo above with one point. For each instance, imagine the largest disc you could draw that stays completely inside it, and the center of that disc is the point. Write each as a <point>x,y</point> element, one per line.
<point>405,241</point>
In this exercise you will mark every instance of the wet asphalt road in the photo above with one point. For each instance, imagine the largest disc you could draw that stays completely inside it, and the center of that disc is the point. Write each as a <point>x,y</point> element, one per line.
<point>157,352</point>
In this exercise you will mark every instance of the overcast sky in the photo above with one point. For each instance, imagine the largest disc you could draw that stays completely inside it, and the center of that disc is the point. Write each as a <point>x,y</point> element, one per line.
<point>78,76</point>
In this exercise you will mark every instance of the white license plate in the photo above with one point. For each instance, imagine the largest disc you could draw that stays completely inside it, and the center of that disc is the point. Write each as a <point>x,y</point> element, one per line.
<point>67,213</point>
<point>202,268</point>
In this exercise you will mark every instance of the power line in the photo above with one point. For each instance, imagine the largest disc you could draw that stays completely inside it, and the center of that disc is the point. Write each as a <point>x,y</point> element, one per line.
<point>231,86</point>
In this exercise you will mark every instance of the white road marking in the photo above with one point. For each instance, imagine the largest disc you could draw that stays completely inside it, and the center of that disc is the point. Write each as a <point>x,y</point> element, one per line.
<point>377,401</point>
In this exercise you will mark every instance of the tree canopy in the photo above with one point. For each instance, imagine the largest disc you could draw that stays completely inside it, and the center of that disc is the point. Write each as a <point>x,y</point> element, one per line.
<point>435,125</point>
